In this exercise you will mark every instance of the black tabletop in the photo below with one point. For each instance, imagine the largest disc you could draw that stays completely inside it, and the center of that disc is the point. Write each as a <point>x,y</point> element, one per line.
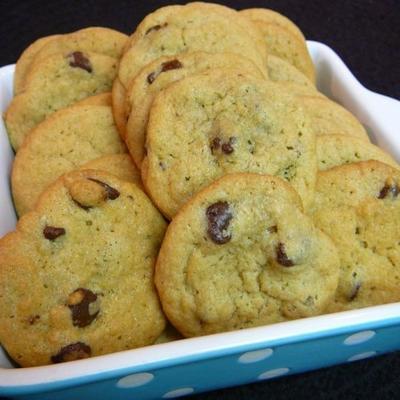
<point>365,33</point>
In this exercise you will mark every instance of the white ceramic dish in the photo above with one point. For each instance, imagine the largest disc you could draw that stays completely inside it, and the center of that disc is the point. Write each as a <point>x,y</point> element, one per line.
<point>199,364</point>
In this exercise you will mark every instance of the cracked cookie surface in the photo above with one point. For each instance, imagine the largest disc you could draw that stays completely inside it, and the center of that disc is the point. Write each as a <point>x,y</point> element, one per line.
<point>280,70</point>
<point>66,140</point>
<point>220,122</point>
<point>334,150</point>
<point>76,279</point>
<point>328,117</point>
<point>242,253</point>
<point>358,206</point>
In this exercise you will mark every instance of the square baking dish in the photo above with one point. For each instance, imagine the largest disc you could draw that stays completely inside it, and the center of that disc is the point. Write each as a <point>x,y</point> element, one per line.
<point>195,365</point>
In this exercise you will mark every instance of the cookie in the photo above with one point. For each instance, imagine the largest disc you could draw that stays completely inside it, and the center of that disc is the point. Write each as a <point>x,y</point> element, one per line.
<point>279,70</point>
<point>106,41</point>
<point>193,27</point>
<point>242,253</point>
<point>75,282</point>
<point>58,82</point>
<point>334,150</point>
<point>99,40</point>
<point>330,118</point>
<point>299,91</point>
<point>281,42</point>
<point>273,17</point>
<point>102,99</point>
<point>120,165</point>
<point>118,99</point>
<point>220,122</point>
<point>157,76</point>
<point>61,143</point>
<point>358,206</point>
<point>25,60</point>
<point>196,26</point>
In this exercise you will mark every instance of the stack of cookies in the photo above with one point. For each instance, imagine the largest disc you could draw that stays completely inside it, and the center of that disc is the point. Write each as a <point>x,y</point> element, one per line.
<point>214,188</point>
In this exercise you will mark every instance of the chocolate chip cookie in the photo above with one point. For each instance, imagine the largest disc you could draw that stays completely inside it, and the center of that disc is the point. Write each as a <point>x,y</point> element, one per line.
<point>242,253</point>
<point>358,206</point>
<point>196,26</point>
<point>76,280</point>
<point>193,27</point>
<point>61,143</point>
<point>55,83</point>
<point>99,40</point>
<point>160,74</point>
<point>219,122</point>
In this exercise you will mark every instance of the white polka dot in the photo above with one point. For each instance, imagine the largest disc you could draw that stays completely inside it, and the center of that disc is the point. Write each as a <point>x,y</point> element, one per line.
<point>178,393</point>
<point>359,337</point>
<point>272,373</point>
<point>135,380</point>
<point>254,356</point>
<point>362,356</point>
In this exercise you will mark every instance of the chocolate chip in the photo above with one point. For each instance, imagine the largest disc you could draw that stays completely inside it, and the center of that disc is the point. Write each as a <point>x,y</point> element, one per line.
<point>354,292</point>
<point>71,352</point>
<point>52,232</point>
<point>86,208</point>
<point>169,65</point>
<point>111,193</point>
<point>84,307</point>
<point>272,229</point>
<point>215,144</point>
<point>219,217</point>
<point>151,78</point>
<point>89,192</point>
<point>156,28</point>
<point>309,301</point>
<point>33,319</point>
<point>165,66</point>
<point>78,60</point>
<point>282,257</point>
<point>387,190</point>
<point>226,147</point>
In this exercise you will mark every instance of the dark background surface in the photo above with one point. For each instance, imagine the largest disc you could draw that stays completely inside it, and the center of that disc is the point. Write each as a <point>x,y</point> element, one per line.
<point>366,34</point>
